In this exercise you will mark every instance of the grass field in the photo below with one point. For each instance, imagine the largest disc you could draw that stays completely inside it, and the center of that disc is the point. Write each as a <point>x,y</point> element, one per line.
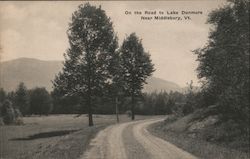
<point>56,136</point>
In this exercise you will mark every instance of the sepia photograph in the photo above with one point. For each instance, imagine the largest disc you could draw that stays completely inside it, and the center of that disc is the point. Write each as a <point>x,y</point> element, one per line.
<point>165,79</point>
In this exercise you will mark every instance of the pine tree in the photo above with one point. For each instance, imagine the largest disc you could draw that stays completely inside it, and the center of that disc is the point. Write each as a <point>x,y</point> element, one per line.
<point>136,67</point>
<point>3,95</point>
<point>92,43</point>
<point>40,101</point>
<point>21,99</point>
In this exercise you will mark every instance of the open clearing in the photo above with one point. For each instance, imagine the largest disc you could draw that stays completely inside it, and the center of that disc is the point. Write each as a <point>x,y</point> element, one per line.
<point>55,136</point>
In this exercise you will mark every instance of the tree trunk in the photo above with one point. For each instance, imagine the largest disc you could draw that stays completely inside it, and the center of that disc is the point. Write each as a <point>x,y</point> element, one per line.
<point>116,110</point>
<point>89,103</point>
<point>90,120</point>
<point>133,107</point>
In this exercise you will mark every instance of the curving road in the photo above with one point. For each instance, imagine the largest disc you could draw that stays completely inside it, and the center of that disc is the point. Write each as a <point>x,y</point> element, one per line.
<point>131,140</point>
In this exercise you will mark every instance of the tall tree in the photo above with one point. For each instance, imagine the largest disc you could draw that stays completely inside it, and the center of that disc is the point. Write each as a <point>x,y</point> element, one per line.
<point>21,99</point>
<point>136,66</point>
<point>40,101</point>
<point>115,89</point>
<point>3,95</point>
<point>92,42</point>
<point>224,62</point>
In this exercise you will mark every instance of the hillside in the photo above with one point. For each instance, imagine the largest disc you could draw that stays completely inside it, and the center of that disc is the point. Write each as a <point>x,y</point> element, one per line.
<point>33,72</point>
<point>157,84</point>
<point>209,136</point>
<point>38,73</point>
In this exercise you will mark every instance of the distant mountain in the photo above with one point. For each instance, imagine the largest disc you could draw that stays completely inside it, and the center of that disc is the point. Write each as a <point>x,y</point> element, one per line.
<point>157,84</point>
<point>38,73</point>
<point>33,72</point>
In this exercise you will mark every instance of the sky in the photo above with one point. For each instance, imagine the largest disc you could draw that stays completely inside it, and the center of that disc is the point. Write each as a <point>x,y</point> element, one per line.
<point>38,30</point>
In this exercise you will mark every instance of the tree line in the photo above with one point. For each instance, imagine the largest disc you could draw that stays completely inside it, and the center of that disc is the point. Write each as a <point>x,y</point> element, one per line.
<point>38,101</point>
<point>27,101</point>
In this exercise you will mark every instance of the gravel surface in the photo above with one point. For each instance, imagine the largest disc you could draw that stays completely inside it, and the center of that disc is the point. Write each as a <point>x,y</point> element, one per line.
<point>132,140</point>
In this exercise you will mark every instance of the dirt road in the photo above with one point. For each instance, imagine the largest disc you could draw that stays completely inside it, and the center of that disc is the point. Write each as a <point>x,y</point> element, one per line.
<point>131,140</point>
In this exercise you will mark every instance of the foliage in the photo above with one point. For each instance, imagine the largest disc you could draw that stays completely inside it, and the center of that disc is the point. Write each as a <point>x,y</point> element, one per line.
<point>161,103</point>
<point>190,100</point>
<point>114,93</point>
<point>67,104</point>
<point>21,99</point>
<point>11,95</point>
<point>7,112</point>
<point>27,102</point>
<point>10,115</point>
<point>92,44</point>
<point>136,67</point>
<point>224,62</point>
<point>3,95</point>
<point>2,99</point>
<point>40,101</point>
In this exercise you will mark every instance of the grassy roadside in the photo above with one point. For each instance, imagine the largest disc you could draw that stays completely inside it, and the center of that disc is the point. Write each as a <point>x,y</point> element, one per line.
<point>52,137</point>
<point>73,145</point>
<point>200,148</point>
<point>55,136</point>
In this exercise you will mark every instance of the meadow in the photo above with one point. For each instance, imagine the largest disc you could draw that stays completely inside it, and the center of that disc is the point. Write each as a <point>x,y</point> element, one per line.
<point>54,136</point>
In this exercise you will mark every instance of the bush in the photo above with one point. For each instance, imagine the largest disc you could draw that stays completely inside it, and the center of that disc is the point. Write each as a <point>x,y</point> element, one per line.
<point>187,109</point>
<point>128,112</point>
<point>170,119</point>
<point>8,112</point>
<point>10,115</point>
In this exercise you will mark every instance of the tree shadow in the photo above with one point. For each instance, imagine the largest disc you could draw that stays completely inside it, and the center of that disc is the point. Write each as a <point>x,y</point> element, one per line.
<point>46,135</point>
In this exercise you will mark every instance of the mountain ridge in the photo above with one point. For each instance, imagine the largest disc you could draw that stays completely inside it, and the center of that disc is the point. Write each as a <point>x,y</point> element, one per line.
<point>39,73</point>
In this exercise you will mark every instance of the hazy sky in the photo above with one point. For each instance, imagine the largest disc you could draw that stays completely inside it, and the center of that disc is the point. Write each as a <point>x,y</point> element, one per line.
<point>38,30</point>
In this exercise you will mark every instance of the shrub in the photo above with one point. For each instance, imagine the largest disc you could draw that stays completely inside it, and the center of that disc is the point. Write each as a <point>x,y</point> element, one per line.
<point>187,109</point>
<point>128,112</point>
<point>8,112</point>
<point>10,115</point>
